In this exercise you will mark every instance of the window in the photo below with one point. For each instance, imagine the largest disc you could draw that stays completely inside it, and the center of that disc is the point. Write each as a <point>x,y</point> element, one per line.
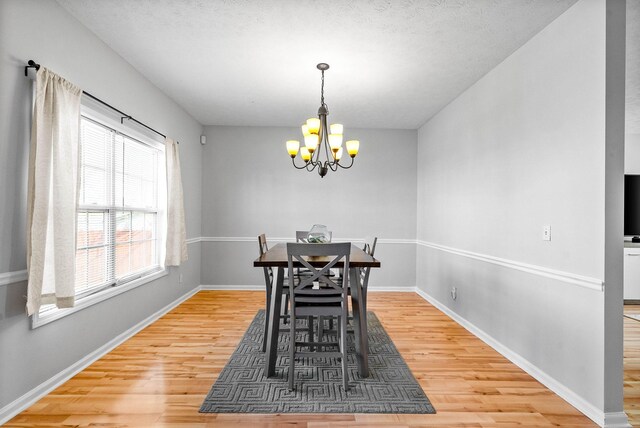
<point>118,215</point>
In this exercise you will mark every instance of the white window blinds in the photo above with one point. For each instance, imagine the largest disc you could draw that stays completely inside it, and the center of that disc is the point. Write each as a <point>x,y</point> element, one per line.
<point>117,232</point>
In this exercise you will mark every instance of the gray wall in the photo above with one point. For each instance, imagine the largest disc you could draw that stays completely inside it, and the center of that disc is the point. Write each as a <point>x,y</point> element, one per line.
<point>632,154</point>
<point>43,31</point>
<point>615,53</point>
<point>521,148</point>
<point>250,187</point>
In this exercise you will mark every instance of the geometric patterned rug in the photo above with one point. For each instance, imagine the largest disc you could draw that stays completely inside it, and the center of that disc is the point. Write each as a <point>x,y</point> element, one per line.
<point>243,388</point>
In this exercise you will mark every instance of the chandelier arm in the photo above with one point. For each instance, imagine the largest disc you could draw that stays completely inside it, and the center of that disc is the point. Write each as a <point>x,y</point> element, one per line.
<point>311,165</point>
<point>319,148</point>
<point>333,165</point>
<point>293,161</point>
<point>348,166</point>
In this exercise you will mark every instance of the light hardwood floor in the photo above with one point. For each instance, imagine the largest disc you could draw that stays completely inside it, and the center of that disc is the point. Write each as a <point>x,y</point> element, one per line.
<point>632,365</point>
<point>161,376</point>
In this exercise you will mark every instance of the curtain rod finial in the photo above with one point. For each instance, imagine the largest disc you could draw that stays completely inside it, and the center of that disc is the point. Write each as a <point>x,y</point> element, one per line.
<point>31,64</point>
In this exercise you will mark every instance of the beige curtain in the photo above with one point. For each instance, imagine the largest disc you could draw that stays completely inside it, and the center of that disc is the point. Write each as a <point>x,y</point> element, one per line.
<point>176,230</point>
<point>53,192</point>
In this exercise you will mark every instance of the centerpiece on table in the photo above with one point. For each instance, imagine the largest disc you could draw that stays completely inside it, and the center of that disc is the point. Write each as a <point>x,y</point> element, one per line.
<point>319,234</point>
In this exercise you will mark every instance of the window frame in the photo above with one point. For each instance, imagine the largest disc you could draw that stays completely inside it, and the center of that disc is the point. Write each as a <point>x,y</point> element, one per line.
<point>104,117</point>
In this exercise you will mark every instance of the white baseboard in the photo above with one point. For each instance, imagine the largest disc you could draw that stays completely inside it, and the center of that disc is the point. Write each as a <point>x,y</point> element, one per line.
<point>233,287</point>
<point>399,289</point>
<point>22,403</point>
<point>616,420</point>
<point>407,289</point>
<point>611,420</point>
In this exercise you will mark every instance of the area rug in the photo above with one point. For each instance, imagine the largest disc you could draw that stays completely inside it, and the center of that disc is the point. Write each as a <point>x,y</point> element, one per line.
<point>243,388</point>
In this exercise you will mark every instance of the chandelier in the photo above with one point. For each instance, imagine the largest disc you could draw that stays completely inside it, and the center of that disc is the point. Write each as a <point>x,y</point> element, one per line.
<point>322,144</point>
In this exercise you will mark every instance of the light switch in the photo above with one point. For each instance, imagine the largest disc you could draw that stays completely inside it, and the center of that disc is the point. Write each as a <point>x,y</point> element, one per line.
<point>546,232</point>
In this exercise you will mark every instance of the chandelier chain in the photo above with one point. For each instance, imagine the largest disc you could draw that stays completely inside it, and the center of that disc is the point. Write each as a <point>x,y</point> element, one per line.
<point>322,90</point>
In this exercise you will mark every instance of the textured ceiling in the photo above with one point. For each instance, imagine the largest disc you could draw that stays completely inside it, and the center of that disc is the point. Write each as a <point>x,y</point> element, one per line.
<point>394,64</point>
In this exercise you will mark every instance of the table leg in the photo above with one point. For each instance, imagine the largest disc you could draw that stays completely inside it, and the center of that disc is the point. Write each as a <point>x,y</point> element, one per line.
<point>274,324</point>
<point>267,318</point>
<point>360,323</point>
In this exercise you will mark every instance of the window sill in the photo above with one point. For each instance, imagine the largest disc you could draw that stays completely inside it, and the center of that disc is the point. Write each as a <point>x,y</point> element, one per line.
<point>40,319</point>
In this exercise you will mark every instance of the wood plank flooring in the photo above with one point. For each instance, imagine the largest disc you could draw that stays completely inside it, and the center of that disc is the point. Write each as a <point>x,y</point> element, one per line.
<point>160,376</point>
<point>632,365</point>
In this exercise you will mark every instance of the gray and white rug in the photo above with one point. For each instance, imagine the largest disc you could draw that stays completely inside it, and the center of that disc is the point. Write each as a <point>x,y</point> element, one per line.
<point>243,388</point>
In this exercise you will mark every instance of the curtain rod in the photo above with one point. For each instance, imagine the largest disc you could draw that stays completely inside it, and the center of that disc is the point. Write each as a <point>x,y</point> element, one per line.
<point>32,64</point>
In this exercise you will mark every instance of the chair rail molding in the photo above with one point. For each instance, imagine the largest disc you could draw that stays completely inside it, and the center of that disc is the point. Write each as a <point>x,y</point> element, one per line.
<point>567,277</point>
<point>570,278</point>
<point>289,239</point>
<point>13,277</point>
<point>595,284</point>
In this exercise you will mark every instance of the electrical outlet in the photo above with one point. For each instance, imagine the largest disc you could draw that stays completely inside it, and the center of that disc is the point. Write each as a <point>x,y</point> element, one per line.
<point>454,293</point>
<point>180,278</point>
<point>546,232</point>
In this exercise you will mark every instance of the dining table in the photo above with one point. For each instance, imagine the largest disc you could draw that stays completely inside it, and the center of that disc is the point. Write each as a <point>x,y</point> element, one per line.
<point>276,257</point>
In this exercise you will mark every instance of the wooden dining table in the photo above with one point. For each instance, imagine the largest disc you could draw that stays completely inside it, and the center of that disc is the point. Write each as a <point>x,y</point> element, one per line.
<point>276,257</point>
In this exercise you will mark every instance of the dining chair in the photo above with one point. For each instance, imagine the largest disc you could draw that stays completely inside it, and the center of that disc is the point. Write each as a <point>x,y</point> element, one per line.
<point>328,301</point>
<point>370,245</point>
<point>302,236</point>
<point>268,280</point>
<point>369,248</point>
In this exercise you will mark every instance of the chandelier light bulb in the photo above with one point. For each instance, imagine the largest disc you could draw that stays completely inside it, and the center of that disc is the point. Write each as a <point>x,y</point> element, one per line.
<point>336,128</point>
<point>305,154</point>
<point>335,141</point>
<point>313,125</point>
<point>311,141</point>
<point>292,147</point>
<point>337,155</point>
<point>352,147</point>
